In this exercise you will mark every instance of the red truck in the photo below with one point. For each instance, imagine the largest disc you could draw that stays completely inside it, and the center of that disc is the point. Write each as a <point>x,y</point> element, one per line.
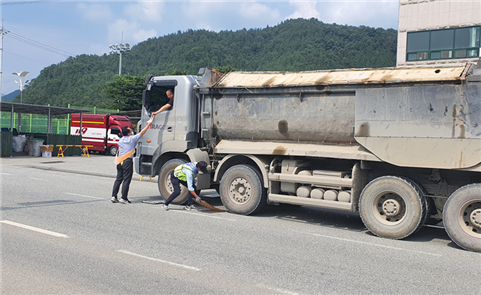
<point>101,131</point>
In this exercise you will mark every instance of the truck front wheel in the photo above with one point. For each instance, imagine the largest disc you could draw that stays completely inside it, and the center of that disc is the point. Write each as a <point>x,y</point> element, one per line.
<point>462,217</point>
<point>241,190</point>
<point>165,186</point>
<point>392,207</point>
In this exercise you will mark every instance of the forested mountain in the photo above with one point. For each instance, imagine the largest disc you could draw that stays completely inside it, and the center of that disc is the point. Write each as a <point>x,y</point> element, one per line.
<point>294,45</point>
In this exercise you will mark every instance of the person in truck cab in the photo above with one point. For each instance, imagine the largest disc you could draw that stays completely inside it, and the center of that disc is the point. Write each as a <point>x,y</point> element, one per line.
<point>185,174</point>
<point>125,167</point>
<point>170,104</point>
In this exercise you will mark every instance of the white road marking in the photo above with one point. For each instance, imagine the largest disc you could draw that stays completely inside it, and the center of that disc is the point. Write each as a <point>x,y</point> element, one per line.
<point>43,231</point>
<point>6,173</point>
<point>78,195</point>
<point>278,290</point>
<point>203,215</point>
<point>366,243</point>
<point>159,260</point>
<point>35,178</point>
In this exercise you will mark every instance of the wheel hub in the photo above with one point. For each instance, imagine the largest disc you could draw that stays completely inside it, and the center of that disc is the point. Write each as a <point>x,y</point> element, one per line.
<point>475,218</point>
<point>391,207</point>
<point>240,190</point>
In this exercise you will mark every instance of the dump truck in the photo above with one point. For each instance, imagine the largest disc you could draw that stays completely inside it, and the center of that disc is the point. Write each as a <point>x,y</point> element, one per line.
<point>101,131</point>
<point>401,146</point>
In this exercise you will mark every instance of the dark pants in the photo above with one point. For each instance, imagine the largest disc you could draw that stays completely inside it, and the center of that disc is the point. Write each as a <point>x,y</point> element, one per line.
<point>176,186</point>
<point>124,177</point>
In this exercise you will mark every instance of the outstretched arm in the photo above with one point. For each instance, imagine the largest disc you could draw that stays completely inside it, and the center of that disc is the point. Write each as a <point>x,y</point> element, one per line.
<point>142,132</point>
<point>163,108</point>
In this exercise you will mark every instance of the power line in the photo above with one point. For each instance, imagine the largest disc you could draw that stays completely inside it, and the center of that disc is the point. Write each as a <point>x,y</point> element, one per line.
<point>38,44</point>
<point>35,60</point>
<point>3,3</point>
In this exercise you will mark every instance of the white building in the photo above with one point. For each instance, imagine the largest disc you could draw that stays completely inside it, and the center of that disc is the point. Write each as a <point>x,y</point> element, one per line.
<point>438,32</point>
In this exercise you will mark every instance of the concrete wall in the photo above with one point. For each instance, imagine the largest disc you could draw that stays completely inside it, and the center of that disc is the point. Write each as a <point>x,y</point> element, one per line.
<point>420,15</point>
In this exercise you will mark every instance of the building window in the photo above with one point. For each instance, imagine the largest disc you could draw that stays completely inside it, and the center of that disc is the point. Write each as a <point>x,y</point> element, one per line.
<point>444,44</point>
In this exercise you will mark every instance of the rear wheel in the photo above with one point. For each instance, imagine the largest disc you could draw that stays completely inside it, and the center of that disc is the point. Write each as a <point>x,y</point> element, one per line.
<point>241,190</point>
<point>462,217</point>
<point>392,207</point>
<point>165,186</point>
<point>113,150</point>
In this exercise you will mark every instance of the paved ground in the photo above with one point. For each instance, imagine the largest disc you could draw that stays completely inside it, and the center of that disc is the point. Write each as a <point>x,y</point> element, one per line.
<point>95,165</point>
<point>98,165</point>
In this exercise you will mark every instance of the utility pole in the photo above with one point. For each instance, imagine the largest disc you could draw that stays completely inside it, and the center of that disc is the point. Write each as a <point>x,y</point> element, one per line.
<point>2,32</point>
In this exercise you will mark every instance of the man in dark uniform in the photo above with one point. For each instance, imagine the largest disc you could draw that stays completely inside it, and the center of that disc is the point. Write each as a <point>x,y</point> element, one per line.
<point>125,167</point>
<point>170,96</point>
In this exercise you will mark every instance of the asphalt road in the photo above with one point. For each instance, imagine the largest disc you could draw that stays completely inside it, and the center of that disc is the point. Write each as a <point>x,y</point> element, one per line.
<point>60,234</point>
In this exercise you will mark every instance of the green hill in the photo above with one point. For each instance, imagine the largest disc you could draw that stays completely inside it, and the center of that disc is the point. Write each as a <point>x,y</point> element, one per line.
<point>294,45</point>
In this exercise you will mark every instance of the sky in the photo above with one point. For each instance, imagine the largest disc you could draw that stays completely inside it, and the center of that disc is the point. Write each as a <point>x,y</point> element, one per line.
<point>38,34</point>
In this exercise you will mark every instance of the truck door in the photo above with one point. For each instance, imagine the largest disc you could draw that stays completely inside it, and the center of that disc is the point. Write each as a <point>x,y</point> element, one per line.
<point>163,127</point>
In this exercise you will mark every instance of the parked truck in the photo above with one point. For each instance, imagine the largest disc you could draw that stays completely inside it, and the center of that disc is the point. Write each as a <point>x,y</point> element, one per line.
<point>101,131</point>
<point>401,146</point>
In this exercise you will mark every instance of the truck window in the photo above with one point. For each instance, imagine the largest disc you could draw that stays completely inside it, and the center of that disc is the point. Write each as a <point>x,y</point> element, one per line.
<point>158,97</point>
<point>115,131</point>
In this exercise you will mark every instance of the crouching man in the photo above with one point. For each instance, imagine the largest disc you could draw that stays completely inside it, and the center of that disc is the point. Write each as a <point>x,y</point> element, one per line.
<point>185,174</point>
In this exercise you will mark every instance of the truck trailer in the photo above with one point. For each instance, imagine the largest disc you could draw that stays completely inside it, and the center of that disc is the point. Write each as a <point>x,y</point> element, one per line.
<point>101,131</point>
<point>401,146</point>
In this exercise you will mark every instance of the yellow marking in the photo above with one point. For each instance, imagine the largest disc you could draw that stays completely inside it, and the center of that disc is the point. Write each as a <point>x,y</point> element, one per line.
<point>90,122</point>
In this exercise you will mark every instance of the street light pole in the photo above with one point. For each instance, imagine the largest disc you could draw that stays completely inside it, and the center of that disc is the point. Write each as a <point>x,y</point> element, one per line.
<point>21,83</point>
<point>119,49</point>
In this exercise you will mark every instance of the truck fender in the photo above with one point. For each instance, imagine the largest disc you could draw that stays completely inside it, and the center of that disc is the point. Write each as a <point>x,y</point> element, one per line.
<point>261,164</point>
<point>197,155</point>
<point>169,146</point>
<point>172,146</point>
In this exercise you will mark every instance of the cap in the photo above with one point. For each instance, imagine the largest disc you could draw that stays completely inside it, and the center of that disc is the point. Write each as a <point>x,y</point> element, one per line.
<point>202,166</point>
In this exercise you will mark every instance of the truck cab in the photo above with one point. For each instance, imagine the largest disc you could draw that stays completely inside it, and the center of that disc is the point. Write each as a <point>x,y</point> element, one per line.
<point>174,131</point>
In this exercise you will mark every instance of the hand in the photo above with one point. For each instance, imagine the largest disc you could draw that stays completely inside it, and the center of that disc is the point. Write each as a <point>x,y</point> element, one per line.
<point>198,199</point>
<point>150,120</point>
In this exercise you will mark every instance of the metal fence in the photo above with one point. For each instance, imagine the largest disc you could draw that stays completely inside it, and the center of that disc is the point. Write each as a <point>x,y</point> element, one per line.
<point>36,124</point>
<point>31,124</point>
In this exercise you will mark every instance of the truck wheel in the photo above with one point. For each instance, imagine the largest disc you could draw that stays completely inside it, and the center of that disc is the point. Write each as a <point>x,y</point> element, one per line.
<point>392,207</point>
<point>113,150</point>
<point>462,217</point>
<point>165,186</point>
<point>428,204</point>
<point>241,190</point>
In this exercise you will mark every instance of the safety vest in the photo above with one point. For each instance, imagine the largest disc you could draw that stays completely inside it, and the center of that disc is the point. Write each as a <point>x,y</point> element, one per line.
<point>180,174</point>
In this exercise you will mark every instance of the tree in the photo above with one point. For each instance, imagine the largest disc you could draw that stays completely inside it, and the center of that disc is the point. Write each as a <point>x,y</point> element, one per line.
<point>226,69</point>
<point>125,92</point>
<point>293,45</point>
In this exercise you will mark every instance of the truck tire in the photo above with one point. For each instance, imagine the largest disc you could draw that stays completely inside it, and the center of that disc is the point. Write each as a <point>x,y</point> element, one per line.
<point>392,207</point>
<point>462,217</point>
<point>113,150</point>
<point>241,190</point>
<point>165,186</point>
<point>428,203</point>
